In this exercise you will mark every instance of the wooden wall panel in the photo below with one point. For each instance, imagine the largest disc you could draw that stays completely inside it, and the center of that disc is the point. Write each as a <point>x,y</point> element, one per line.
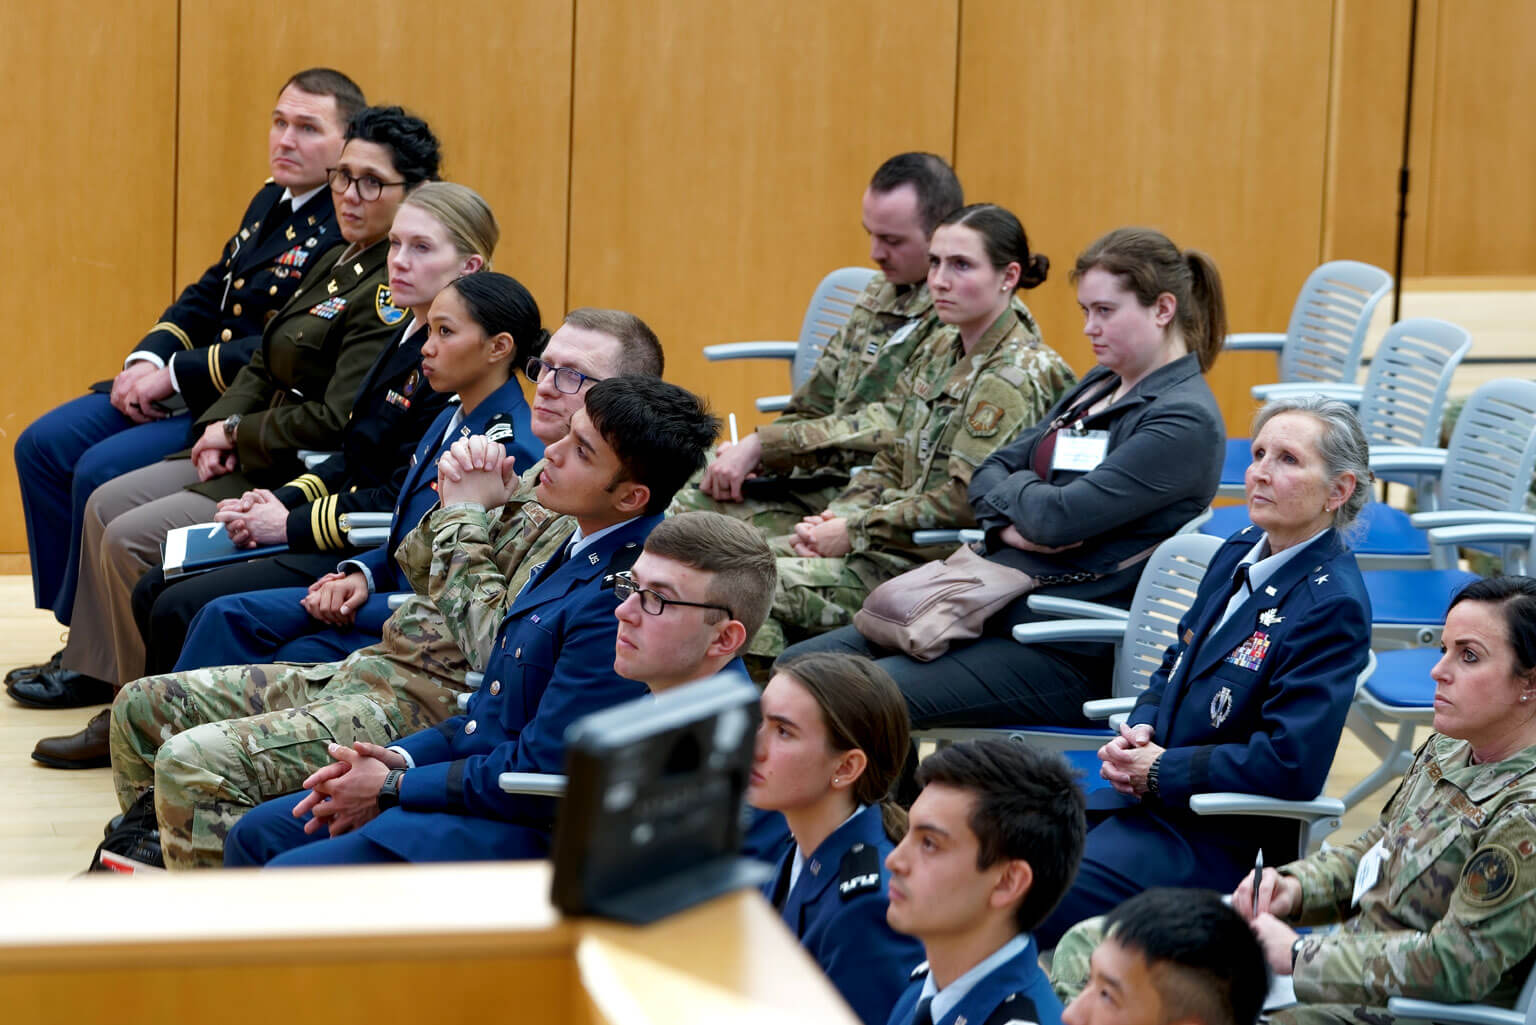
<point>1204,118</point>
<point>1365,139</point>
<point>1473,105</point>
<point>719,150</point>
<point>492,77</point>
<point>90,100</point>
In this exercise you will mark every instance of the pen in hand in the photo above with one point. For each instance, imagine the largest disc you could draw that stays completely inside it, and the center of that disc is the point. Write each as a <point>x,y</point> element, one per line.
<point>1258,873</point>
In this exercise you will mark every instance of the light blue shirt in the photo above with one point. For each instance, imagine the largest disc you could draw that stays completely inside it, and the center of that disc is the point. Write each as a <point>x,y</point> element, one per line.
<point>946,999</point>
<point>1260,569</point>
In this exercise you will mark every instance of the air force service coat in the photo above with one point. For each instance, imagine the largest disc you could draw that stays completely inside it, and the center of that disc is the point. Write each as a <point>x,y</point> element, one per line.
<point>1015,991</point>
<point>837,912</point>
<point>1256,707</point>
<point>552,662</point>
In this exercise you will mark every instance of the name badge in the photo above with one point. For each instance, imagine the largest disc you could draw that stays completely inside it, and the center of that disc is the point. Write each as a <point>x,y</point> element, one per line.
<point>1080,451</point>
<point>1368,873</point>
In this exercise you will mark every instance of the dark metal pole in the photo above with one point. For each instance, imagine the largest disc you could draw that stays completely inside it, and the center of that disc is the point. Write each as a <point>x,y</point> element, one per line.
<point>1402,171</point>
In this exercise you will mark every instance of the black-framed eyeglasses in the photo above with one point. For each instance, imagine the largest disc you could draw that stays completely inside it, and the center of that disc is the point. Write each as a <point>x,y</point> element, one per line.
<point>567,380</point>
<point>654,604</point>
<point>369,188</point>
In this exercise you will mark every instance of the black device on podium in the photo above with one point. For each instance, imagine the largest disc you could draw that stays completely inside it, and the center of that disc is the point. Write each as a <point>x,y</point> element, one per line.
<point>652,818</point>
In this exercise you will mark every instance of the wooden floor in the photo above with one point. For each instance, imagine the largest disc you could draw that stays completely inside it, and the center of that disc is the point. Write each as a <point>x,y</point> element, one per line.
<point>50,821</point>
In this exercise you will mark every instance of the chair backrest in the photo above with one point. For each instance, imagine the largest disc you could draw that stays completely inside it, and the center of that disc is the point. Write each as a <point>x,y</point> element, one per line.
<point>1405,389</point>
<point>1492,453</point>
<point>1165,592</point>
<point>830,306</point>
<point>1326,336</point>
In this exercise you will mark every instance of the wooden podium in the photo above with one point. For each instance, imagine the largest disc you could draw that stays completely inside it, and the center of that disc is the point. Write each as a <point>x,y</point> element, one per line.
<point>397,945</point>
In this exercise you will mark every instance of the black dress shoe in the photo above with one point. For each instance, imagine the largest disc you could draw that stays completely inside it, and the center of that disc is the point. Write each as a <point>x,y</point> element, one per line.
<point>32,672</point>
<point>84,750</point>
<point>60,688</point>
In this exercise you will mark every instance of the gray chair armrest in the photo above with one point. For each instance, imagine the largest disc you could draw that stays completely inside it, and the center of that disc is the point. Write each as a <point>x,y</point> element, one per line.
<point>1480,533</point>
<point>948,537</point>
<point>1409,1009</point>
<point>1256,804</point>
<point>398,599</point>
<point>750,350</point>
<point>311,458</point>
<point>1072,608</point>
<point>1069,630</point>
<point>1104,708</point>
<point>369,519</point>
<point>1472,517</point>
<point>772,403</point>
<point>1256,341</point>
<point>536,784</point>
<point>473,680</point>
<point>461,699</point>
<point>1408,459</point>
<point>367,537</point>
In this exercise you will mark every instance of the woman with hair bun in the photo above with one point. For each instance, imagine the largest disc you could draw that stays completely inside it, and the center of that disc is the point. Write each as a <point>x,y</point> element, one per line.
<point>830,747</point>
<point>964,393</point>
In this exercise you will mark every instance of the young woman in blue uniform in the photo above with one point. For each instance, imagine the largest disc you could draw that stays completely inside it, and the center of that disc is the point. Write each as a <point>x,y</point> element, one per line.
<point>831,744</point>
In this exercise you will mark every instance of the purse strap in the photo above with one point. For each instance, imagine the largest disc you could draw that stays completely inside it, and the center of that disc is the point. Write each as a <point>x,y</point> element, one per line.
<point>1052,579</point>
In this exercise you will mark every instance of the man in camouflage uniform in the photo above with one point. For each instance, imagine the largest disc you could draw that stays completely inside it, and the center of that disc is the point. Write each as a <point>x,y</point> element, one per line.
<point>837,419</point>
<point>1438,899</point>
<point>951,410</point>
<point>215,742</point>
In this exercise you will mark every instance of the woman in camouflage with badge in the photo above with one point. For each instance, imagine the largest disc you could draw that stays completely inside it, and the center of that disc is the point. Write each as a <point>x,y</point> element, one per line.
<point>1438,899</point>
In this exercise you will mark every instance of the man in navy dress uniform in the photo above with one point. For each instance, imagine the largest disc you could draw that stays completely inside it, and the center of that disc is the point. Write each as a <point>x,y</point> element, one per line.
<point>187,358</point>
<point>993,843</point>
<point>435,796</point>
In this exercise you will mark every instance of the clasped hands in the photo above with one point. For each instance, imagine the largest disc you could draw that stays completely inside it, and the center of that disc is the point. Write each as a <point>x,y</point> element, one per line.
<point>255,518</point>
<point>476,469</point>
<point>345,794</point>
<point>822,536</point>
<point>1127,759</point>
<point>138,389</point>
<point>214,455</point>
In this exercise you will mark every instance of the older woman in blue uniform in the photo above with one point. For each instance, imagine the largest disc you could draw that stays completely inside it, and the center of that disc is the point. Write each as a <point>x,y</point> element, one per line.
<point>832,740</point>
<point>1253,695</point>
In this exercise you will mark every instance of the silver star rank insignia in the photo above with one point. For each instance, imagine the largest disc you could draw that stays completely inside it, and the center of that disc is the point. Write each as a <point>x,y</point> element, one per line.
<point>1322,579</point>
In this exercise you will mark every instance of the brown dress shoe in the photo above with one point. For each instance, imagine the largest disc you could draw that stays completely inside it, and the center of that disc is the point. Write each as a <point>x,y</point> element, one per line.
<point>84,750</point>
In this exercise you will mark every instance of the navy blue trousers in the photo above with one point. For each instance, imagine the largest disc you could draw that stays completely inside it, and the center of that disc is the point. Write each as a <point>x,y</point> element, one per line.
<point>62,457</point>
<point>271,626</point>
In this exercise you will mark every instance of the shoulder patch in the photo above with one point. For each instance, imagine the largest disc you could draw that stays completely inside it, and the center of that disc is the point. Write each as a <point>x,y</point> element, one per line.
<point>1490,876</point>
<point>983,419</point>
<point>500,428</point>
<point>859,871</point>
<point>388,312</point>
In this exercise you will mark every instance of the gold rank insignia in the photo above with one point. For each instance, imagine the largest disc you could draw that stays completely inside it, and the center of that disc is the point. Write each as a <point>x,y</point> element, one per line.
<point>245,233</point>
<point>357,269</point>
<point>331,287</point>
<point>289,233</point>
<point>311,220</point>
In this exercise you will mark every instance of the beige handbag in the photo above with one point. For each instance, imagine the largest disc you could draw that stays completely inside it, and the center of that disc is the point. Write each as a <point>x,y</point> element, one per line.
<point>924,610</point>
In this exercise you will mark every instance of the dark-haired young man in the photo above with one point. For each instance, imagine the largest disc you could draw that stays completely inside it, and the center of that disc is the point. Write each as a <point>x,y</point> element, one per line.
<point>435,795</point>
<point>993,843</point>
<point>187,358</point>
<point>1167,957</point>
<point>836,419</point>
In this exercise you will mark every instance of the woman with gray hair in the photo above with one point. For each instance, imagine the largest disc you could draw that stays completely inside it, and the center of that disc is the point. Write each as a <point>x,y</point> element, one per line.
<point>1252,695</point>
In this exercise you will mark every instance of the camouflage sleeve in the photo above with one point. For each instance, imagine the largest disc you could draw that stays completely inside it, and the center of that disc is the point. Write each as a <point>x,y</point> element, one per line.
<point>1002,402</point>
<point>414,554</point>
<point>1327,878</point>
<point>1488,929</point>
<point>801,443</point>
<point>464,582</point>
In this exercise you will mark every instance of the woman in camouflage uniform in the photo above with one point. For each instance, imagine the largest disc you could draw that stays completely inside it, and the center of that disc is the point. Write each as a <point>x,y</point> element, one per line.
<point>1436,899</point>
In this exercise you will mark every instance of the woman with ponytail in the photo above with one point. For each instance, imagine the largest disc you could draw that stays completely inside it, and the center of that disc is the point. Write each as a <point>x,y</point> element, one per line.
<point>830,747</point>
<point>1122,461</point>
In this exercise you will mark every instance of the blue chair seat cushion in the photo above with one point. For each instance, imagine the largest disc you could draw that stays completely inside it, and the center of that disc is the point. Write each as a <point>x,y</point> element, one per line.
<point>1380,530</point>
<point>1413,595</point>
<point>1402,678</point>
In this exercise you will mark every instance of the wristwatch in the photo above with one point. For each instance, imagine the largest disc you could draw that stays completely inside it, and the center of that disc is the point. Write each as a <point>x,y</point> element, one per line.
<point>389,792</point>
<point>231,425</point>
<point>1152,775</point>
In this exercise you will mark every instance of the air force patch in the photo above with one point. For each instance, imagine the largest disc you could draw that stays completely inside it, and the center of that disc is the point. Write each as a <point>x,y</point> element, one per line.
<point>388,312</point>
<point>1489,877</point>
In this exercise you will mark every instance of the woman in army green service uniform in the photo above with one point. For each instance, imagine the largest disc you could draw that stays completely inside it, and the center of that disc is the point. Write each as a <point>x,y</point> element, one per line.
<point>296,392</point>
<point>1438,899</point>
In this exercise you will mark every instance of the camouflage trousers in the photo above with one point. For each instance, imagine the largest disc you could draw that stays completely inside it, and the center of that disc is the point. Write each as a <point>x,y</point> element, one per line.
<point>214,743</point>
<point>814,596</point>
<point>770,518</point>
<point>1069,976</point>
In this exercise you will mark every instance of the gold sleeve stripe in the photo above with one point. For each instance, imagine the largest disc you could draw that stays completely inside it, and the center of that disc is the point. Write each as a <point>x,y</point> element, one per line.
<point>174,329</point>
<point>312,486</point>
<point>214,373</point>
<point>322,521</point>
